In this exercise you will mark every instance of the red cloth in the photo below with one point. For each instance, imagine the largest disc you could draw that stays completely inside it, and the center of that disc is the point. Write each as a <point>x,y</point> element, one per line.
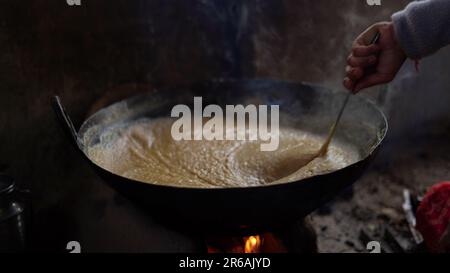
<point>433,215</point>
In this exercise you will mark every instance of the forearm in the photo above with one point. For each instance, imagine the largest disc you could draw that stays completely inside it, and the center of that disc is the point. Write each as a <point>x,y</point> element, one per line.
<point>423,27</point>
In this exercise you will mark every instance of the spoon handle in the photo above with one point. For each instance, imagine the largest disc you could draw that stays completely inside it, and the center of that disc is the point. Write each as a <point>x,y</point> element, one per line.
<point>323,150</point>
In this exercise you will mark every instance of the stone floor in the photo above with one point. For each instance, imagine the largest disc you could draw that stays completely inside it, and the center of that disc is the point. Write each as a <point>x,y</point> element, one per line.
<point>404,163</point>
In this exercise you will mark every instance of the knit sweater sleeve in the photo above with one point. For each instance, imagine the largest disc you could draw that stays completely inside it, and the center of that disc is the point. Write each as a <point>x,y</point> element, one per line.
<point>423,27</point>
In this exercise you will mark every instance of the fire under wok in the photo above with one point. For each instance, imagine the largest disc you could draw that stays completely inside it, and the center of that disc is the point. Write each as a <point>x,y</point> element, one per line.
<point>239,208</point>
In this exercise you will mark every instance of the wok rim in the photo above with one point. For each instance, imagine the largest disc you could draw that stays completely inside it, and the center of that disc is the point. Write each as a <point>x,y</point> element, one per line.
<point>373,148</point>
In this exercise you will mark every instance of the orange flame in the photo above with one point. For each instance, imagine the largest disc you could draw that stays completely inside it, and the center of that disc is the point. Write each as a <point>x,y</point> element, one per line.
<point>252,244</point>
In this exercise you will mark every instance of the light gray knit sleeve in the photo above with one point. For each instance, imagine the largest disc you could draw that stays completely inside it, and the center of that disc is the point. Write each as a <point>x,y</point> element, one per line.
<point>423,27</point>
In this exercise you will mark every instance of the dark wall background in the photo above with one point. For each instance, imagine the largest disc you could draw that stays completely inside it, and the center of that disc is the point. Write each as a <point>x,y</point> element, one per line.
<point>119,47</point>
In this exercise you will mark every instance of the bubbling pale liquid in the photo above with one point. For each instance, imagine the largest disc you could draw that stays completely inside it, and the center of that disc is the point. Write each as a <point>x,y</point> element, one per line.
<point>144,150</point>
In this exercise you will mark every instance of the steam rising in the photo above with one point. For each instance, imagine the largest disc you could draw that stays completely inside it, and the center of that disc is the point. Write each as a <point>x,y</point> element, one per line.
<point>310,40</point>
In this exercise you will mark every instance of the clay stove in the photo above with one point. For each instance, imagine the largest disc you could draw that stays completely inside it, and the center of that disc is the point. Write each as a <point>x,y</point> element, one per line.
<point>299,237</point>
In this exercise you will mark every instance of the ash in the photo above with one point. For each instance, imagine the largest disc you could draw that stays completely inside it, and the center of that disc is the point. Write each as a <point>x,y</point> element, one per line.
<point>374,208</point>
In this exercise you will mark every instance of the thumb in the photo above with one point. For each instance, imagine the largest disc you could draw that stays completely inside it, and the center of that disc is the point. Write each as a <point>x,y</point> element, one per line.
<point>371,80</point>
<point>367,36</point>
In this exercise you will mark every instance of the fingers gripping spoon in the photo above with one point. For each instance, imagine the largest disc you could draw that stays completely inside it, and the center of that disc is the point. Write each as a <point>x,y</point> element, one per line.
<point>323,150</point>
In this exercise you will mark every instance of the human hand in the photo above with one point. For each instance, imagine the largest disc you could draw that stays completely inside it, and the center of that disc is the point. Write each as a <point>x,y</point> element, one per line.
<point>373,64</point>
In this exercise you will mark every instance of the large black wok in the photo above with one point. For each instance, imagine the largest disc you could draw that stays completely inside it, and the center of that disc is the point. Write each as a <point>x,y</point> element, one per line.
<point>307,106</point>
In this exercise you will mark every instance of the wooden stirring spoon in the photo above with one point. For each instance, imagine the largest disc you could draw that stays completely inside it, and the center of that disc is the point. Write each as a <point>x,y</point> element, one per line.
<point>306,159</point>
<point>323,150</point>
